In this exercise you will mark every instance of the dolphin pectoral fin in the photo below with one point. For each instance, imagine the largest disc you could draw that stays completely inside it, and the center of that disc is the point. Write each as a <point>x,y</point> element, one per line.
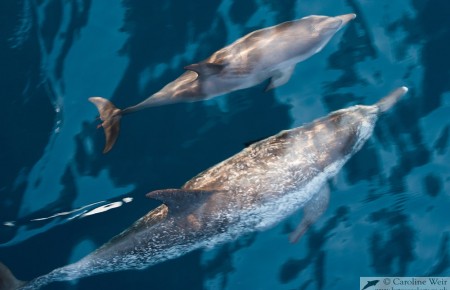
<point>313,209</point>
<point>7,279</point>
<point>110,116</point>
<point>177,199</point>
<point>205,69</point>
<point>301,229</point>
<point>280,77</point>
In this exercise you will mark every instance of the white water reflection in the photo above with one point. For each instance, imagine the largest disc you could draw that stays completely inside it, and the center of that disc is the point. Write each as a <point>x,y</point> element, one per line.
<point>60,218</point>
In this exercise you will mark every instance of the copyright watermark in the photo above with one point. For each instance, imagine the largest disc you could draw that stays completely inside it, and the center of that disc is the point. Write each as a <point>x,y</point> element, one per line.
<point>404,283</point>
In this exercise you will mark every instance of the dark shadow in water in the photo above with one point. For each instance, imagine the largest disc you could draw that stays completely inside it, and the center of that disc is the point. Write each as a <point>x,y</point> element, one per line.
<point>79,11</point>
<point>403,128</point>
<point>430,27</point>
<point>222,264</point>
<point>392,247</point>
<point>433,184</point>
<point>52,23</point>
<point>364,165</point>
<point>356,45</point>
<point>82,157</point>
<point>435,25</point>
<point>316,252</point>
<point>26,113</point>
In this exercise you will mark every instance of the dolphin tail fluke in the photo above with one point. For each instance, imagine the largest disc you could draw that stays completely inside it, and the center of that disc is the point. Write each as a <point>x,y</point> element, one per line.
<point>110,115</point>
<point>7,279</point>
<point>390,100</point>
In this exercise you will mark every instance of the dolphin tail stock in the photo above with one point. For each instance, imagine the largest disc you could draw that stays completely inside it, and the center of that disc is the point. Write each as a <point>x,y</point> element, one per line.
<point>110,115</point>
<point>7,279</point>
<point>391,99</point>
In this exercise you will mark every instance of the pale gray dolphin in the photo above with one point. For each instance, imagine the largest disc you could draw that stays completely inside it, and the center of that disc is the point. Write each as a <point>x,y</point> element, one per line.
<point>267,53</point>
<point>251,191</point>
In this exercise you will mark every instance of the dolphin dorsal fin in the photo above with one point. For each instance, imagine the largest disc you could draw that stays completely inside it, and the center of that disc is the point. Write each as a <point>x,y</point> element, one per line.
<point>179,198</point>
<point>205,69</point>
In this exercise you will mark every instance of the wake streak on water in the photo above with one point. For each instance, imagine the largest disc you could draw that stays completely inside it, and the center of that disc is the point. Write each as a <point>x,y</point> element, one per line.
<point>67,216</point>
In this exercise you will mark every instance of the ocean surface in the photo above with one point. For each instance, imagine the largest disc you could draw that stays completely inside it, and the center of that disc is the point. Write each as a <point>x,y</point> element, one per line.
<point>60,197</point>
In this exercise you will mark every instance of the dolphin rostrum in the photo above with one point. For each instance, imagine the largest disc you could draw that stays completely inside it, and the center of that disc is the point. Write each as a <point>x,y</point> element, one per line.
<point>251,191</point>
<point>267,53</point>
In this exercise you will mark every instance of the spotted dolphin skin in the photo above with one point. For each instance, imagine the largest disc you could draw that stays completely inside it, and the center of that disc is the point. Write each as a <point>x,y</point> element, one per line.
<point>269,53</point>
<point>251,191</point>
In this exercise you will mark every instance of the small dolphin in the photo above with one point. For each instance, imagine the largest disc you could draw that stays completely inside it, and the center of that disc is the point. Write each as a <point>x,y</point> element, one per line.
<point>251,191</point>
<point>266,53</point>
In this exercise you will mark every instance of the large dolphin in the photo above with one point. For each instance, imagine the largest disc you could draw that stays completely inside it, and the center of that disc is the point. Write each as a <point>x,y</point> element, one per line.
<point>251,191</point>
<point>266,53</point>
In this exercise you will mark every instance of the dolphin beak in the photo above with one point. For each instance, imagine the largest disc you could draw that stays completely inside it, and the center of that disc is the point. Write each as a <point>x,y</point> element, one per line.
<point>346,18</point>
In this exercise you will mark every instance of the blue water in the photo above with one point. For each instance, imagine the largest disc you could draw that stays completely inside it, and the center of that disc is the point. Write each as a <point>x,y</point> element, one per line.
<point>61,198</point>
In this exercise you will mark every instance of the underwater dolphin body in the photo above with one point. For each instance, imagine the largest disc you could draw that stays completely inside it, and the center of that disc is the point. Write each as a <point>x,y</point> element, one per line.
<point>251,191</point>
<point>267,53</point>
